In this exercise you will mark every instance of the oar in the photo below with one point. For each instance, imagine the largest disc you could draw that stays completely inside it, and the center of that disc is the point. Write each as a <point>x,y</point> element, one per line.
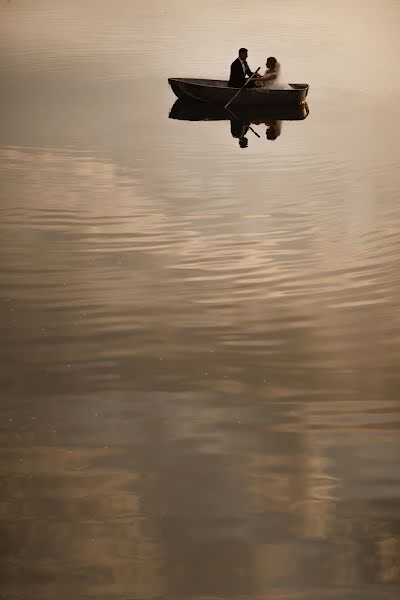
<point>237,118</point>
<point>255,132</point>
<point>243,86</point>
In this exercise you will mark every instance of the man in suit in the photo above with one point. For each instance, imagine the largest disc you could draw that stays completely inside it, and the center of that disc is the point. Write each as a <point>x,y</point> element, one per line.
<point>239,70</point>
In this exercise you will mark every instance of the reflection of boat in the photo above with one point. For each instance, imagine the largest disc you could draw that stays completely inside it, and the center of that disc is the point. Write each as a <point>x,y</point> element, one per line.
<point>199,111</point>
<point>216,91</point>
<point>241,118</point>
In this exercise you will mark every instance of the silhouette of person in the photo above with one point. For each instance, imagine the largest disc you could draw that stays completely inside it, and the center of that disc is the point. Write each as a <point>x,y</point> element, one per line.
<point>273,129</point>
<point>240,70</point>
<point>239,130</point>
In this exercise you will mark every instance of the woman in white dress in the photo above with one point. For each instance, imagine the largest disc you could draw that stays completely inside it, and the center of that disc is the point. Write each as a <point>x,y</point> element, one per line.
<point>271,75</point>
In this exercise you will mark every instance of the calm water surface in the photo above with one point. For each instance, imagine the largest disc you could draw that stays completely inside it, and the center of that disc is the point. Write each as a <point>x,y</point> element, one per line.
<point>199,343</point>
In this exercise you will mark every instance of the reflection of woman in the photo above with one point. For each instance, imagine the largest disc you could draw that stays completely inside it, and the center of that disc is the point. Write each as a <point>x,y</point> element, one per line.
<point>271,75</point>
<point>273,129</point>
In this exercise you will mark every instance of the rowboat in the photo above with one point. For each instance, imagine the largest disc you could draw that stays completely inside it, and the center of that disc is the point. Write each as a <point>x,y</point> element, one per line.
<point>217,92</point>
<point>200,111</point>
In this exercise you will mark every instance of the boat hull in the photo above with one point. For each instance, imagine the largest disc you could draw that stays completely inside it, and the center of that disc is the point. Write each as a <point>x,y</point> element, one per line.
<point>217,92</point>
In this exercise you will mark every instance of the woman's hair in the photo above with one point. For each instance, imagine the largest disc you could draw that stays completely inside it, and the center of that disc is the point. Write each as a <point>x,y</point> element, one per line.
<point>271,61</point>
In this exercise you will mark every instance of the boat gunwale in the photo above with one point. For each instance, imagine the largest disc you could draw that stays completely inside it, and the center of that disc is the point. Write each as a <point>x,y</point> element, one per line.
<point>194,81</point>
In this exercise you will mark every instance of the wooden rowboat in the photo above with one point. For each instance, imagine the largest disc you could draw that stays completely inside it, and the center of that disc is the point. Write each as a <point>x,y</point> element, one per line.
<point>217,92</point>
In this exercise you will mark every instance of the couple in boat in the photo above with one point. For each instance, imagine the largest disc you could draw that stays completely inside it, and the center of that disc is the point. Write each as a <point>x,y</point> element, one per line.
<point>240,70</point>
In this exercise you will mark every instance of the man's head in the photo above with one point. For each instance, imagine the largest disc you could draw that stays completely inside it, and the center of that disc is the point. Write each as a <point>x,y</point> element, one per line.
<point>243,141</point>
<point>271,62</point>
<point>243,53</point>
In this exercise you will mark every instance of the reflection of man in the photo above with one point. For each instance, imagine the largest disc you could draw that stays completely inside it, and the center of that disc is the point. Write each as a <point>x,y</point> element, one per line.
<point>239,130</point>
<point>239,70</point>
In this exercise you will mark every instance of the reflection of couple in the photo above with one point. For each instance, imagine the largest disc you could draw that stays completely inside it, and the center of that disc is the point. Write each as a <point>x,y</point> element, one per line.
<point>240,128</point>
<point>240,70</point>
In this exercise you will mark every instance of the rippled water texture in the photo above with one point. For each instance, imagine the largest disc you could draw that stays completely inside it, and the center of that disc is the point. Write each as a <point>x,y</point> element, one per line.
<point>199,343</point>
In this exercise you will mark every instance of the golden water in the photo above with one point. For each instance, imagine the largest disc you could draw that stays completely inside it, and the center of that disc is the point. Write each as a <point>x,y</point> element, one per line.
<point>199,343</point>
